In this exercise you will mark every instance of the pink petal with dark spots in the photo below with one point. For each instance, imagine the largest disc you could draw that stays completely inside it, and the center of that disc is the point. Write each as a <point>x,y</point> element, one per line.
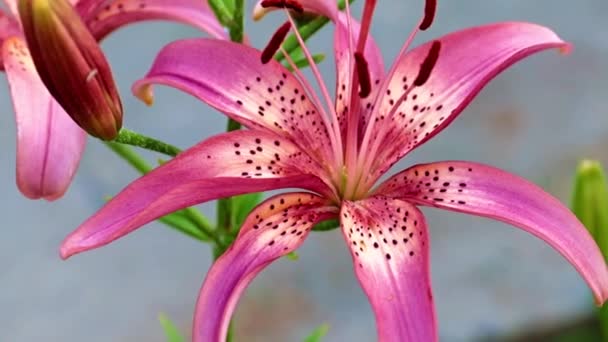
<point>275,228</point>
<point>222,166</point>
<point>482,190</point>
<point>389,244</point>
<point>49,143</point>
<point>232,79</point>
<point>111,15</point>
<point>468,60</point>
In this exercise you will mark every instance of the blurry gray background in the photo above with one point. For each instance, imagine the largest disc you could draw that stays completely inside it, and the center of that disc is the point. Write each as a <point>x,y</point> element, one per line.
<point>537,119</point>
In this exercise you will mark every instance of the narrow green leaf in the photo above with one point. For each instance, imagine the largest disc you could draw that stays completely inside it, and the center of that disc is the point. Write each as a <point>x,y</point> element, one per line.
<point>171,331</point>
<point>318,333</point>
<point>590,205</point>
<point>326,225</point>
<point>303,62</point>
<point>242,206</point>
<point>222,11</point>
<point>180,222</point>
<point>293,256</point>
<point>590,201</point>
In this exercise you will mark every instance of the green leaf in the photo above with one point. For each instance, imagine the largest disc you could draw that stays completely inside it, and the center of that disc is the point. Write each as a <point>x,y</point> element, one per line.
<point>180,221</point>
<point>590,201</point>
<point>293,256</point>
<point>242,206</point>
<point>318,333</point>
<point>223,11</point>
<point>303,62</point>
<point>326,225</point>
<point>590,205</point>
<point>171,331</point>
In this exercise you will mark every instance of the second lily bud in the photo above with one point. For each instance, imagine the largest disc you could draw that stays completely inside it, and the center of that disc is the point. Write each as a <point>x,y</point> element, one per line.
<point>72,65</point>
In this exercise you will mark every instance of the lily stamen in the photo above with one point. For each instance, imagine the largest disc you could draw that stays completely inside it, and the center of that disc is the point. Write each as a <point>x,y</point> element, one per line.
<point>333,129</point>
<point>428,64</point>
<point>363,75</point>
<point>430,8</point>
<point>288,4</point>
<point>275,42</point>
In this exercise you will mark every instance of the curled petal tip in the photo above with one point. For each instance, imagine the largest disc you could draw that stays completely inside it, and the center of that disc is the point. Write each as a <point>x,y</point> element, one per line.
<point>64,255</point>
<point>72,245</point>
<point>65,251</point>
<point>566,49</point>
<point>145,93</point>
<point>259,12</point>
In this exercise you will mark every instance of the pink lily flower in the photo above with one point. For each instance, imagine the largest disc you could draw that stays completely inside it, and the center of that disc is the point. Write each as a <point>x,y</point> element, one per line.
<point>336,155</point>
<point>49,143</point>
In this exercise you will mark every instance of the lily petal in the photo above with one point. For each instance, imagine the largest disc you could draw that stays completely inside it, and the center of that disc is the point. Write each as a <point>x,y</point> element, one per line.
<point>49,143</point>
<point>8,28</point>
<point>389,243</point>
<point>468,60</point>
<point>109,16</point>
<point>232,79</point>
<point>224,165</point>
<point>344,56</point>
<point>485,191</point>
<point>275,228</point>
<point>326,8</point>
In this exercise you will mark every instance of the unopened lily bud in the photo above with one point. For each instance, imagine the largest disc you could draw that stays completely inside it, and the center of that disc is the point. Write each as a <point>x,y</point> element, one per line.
<point>72,65</point>
<point>590,201</point>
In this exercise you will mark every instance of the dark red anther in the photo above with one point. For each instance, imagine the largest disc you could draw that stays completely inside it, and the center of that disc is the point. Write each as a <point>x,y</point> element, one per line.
<point>430,7</point>
<point>428,64</point>
<point>289,4</point>
<point>275,42</point>
<point>363,75</point>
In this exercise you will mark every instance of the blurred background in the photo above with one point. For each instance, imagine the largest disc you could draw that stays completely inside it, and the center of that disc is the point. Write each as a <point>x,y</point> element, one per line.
<point>490,279</point>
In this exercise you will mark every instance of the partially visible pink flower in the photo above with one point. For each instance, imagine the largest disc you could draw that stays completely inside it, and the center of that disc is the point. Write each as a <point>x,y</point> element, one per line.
<point>49,143</point>
<point>337,154</point>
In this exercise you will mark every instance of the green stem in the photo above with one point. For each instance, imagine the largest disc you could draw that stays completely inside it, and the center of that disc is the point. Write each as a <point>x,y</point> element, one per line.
<point>128,137</point>
<point>222,12</point>
<point>238,22</point>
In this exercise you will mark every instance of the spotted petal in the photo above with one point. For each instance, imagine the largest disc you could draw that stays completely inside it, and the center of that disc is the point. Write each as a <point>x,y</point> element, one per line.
<point>108,16</point>
<point>232,79</point>
<point>389,244</point>
<point>49,143</point>
<point>468,60</point>
<point>224,165</point>
<point>486,191</point>
<point>326,8</point>
<point>276,227</point>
